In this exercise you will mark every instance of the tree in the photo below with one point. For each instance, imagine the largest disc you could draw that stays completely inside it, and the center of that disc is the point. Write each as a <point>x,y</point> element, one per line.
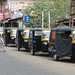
<point>57,8</point>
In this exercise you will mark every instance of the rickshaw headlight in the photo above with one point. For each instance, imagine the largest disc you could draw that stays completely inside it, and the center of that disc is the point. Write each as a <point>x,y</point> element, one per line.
<point>25,40</point>
<point>33,41</point>
<point>45,43</point>
<point>12,37</point>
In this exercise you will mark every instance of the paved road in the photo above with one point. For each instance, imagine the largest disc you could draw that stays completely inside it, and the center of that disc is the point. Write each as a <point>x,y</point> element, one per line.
<point>13,62</point>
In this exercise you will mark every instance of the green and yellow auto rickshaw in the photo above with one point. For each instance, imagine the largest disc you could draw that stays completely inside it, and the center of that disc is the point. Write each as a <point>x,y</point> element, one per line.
<point>10,35</point>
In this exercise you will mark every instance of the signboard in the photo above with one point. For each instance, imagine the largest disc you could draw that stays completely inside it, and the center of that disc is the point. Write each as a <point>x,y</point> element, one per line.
<point>1,16</point>
<point>5,8</point>
<point>27,19</point>
<point>16,14</point>
<point>15,7</point>
<point>5,21</point>
<point>7,15</point>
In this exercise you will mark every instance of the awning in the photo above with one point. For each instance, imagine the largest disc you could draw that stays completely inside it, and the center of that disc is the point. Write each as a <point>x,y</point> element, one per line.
<point>5,21</point>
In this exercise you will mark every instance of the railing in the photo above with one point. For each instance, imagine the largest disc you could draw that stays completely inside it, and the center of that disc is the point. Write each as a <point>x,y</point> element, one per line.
<point>2,47</point>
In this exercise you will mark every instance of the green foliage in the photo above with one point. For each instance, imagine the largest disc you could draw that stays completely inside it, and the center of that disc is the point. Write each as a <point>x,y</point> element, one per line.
<point>58,8</point>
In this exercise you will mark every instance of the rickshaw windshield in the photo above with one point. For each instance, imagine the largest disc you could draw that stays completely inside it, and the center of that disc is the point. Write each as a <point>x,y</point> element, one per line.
<point>73,34</point>
<point>45,34</point>
<point>1,30</point>
<point>13,32</point>
<point>26,33</point>
<point>37,35</point>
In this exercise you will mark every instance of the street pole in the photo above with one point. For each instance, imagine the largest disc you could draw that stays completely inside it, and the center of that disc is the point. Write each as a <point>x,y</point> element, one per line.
<point>49,19</point>
<point>42,19</point>
<point>1,6</point>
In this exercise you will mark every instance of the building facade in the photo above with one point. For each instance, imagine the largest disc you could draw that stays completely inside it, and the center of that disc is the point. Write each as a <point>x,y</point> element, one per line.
<point>12,11</point>
<point>18,4</point>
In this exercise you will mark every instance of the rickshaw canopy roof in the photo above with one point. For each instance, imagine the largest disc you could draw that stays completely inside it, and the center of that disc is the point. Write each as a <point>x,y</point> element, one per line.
<point>65,28</point>
<point>1,27</point>
<point>8,28</point>
<point>19,29</point>
<point>38,29</point>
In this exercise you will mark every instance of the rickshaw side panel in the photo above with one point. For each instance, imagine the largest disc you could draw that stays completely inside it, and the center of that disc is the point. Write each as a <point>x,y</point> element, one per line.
<point>6,37</point>
<point>22,41</point>
<point>34,42</point>
<point>44,47</point>
<point>51,45</point>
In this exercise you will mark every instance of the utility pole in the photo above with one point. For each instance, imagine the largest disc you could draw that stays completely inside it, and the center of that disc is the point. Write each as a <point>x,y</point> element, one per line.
<point>42,19</point>
<point>49,19</point>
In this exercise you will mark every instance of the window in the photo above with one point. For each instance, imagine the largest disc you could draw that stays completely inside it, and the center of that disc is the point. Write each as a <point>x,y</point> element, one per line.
<point>45,34</point>
<point>28,4</point>
<point>1,30</point>
<point>31,34</point>
<point>22,3</point>
<point>12,3</point>
<point>13,32</point>
<point>37,33</point>
<point>73,34</point>
<point>65,34</point>
<point>26,33</point>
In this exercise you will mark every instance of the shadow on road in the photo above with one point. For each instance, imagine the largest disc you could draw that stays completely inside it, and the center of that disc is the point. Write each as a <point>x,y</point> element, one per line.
<point>67,60</point>
<point>64,60</point>
<point>11,45</point>
<point>42,55</point>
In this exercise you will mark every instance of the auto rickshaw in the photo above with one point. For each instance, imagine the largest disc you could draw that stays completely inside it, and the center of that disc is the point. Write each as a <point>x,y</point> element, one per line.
<point>38,40</point>
<point>10,35</point>
<point>1,32</point>
<point>62,42</point>
<point>22,38</point>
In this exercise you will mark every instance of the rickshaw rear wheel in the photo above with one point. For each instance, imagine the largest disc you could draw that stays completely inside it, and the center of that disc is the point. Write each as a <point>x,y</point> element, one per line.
<point>6,44</point>
<point>27,49</point>
<point>50,54</point>
<point>18,48</point>
<point>32,52</point>
<point>55,57</point>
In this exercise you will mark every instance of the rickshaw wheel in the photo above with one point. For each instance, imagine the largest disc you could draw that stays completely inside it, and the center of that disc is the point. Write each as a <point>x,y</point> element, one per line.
<point>6,44</point>
<point>55,57</point>
<point>18,48</point>
<point>27,49</point>
<point>49,53</point>
<point>32,52</point>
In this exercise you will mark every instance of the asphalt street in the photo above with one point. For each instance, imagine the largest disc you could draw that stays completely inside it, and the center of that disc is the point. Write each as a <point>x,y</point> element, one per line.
<point>13,62</point>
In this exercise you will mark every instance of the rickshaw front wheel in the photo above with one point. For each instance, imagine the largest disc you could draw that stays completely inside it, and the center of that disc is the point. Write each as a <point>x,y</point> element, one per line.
<point>55,57</point>
<point>32,52</point>
<point>6,44</point>
<point>18,48</point>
